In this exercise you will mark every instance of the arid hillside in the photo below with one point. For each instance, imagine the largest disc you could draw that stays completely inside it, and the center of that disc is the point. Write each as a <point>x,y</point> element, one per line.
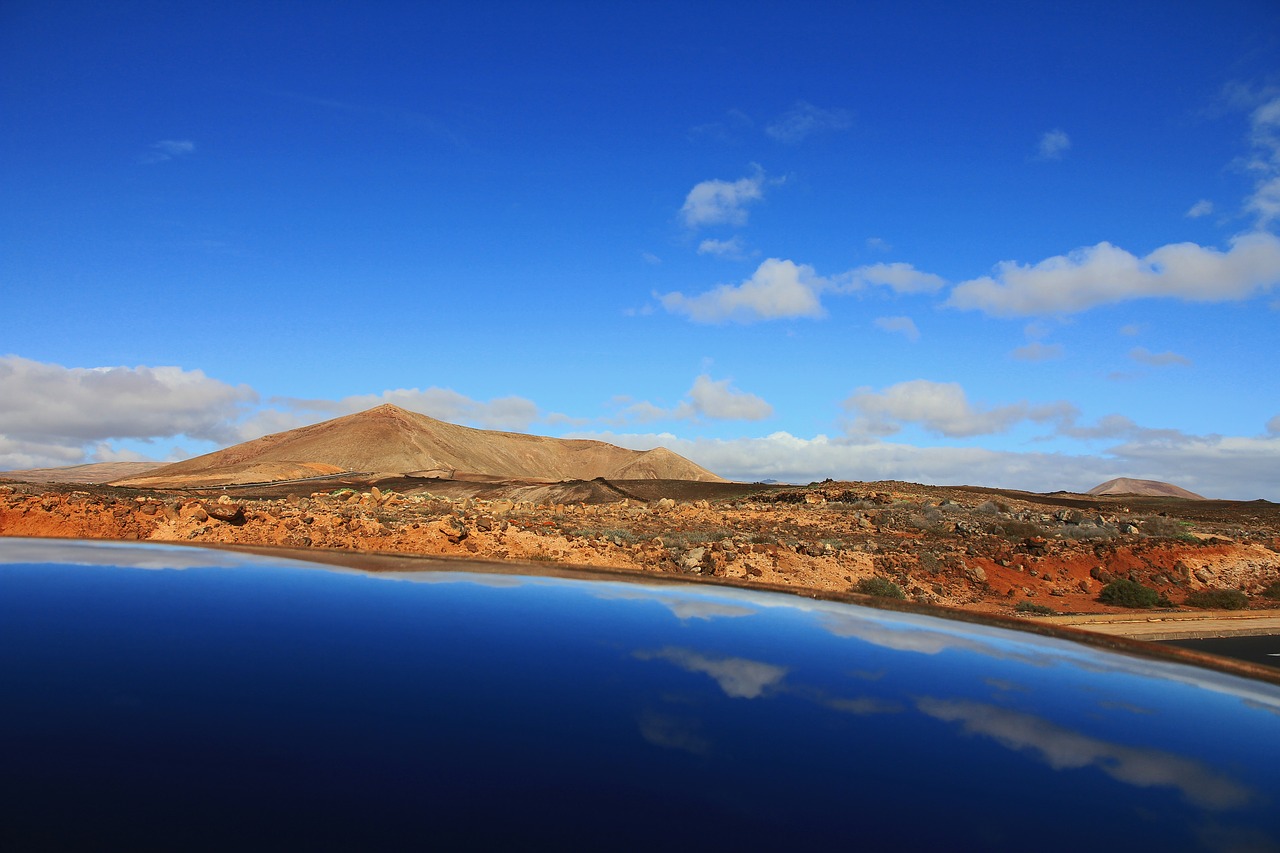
<point>1148,488</point>
<point>391,440</point>
<point>978,549</point>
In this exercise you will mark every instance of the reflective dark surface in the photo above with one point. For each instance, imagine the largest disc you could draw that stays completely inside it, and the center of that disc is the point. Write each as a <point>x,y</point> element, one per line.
<point>184,698</point>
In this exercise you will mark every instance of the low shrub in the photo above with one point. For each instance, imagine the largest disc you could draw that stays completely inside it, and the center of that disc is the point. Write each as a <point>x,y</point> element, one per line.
<point>879,587</point>
<point>1127,593</point>
<point>1272,591</point>
<point>1218,599</point>
<point>1032,607</point>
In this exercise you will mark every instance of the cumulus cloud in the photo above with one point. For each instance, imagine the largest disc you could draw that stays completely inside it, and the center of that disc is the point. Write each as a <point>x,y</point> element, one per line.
<point>168,149</point>
<point>731,248</point>
<point>54,415</point>
<point>718,202</point>
<point>1105,274</point>
<point>1157,359</point>
<point>713,399</point>
<point>782,289</point>
<point>1065,749</point>
<point>1037,351</point>
<point>1273,425</point>
<point>904,326</point>
<point>50,402</point>
<point>778,289</point>
<point>804,119</point>
<point>939,407</point>
<point>1203,207</point>
<point>1053,144</point>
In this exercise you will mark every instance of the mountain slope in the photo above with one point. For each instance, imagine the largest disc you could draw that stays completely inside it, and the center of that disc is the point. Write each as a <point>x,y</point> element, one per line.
<point>388,439</point>
<point>1149,488</point>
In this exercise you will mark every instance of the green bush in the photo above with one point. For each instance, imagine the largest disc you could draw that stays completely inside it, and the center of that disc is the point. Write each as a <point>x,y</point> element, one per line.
<point>1127,593</point>
<point>1032,607</point>
<point>1219,599</point>
<point>1272,591</point>
<point>879,587</point>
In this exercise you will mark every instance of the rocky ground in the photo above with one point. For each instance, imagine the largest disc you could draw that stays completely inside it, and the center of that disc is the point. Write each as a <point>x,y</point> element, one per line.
<point>978,549</point>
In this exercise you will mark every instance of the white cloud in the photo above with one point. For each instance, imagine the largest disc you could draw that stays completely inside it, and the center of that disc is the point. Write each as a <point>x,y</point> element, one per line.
<point>719,202</point>
<point>1131,330</point>
<point>1053,144</point>
<point>708,398</point>
<point>720,400</point>
<point>1273,425</point>
<point>1037,351</point>
<point>51,402</point>
<point>940,407</point>
<point>650,258</point>
<point>805,119</point>
<point>899,277</point>
<point>168,149</point>
<point>1105,274</point>
<point>1157,359</point>
<point>1203,207</point>
<point>877,244</point>
<point>731,248</point>
<point>1214,466</point>
<point>778,289</point>
<point>782,289</point>
<point>904,326</point>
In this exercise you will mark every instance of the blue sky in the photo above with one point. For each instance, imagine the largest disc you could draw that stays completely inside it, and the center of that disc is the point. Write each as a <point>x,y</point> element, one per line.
<point>996,244</point>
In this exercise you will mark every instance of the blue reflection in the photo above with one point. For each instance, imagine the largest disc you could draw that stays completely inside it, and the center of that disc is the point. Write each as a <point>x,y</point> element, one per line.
<point>242,700</point>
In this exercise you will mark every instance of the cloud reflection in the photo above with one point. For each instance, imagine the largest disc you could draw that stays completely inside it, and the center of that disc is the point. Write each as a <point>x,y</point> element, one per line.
<point>1064,749</point>
<point>739,678</point>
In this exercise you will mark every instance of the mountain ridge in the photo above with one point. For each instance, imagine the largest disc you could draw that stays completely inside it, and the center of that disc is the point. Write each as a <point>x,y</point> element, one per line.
<point>389,439</point>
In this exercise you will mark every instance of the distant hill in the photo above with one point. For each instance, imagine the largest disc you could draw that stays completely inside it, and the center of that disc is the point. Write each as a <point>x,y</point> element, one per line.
<point>388,439</point>
<point>1146,488</point>
<point>95,472</point>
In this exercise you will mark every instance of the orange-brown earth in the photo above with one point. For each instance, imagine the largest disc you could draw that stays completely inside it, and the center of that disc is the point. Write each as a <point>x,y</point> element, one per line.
<point>980,549</point>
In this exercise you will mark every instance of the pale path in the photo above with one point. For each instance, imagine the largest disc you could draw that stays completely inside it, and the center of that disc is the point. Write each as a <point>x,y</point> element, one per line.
<point>1145,625</point>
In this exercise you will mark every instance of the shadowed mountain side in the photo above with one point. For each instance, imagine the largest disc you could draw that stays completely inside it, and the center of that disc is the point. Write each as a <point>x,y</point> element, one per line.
<point>1150,488</point>
<point>388,439</point>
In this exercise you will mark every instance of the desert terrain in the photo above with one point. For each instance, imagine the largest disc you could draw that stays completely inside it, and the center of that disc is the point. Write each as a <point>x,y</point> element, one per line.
<point>406,484</point>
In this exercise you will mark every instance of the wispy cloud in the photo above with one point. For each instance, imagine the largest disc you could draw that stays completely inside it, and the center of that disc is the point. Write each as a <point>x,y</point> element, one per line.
<point>731,249</point>
<point>711,399</point>
<point>1158,359</point>
<point>168,149</point>
<point>1038,351</point>
<point>904,326</point>
<point>804,120</point>
<point>718,202</point>
<point>1053,145</point>
<point>1203,207</point>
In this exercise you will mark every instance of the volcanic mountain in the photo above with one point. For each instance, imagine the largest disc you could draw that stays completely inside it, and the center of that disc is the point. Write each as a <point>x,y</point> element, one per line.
<point>390,440</point>
<point>1146,488</point>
